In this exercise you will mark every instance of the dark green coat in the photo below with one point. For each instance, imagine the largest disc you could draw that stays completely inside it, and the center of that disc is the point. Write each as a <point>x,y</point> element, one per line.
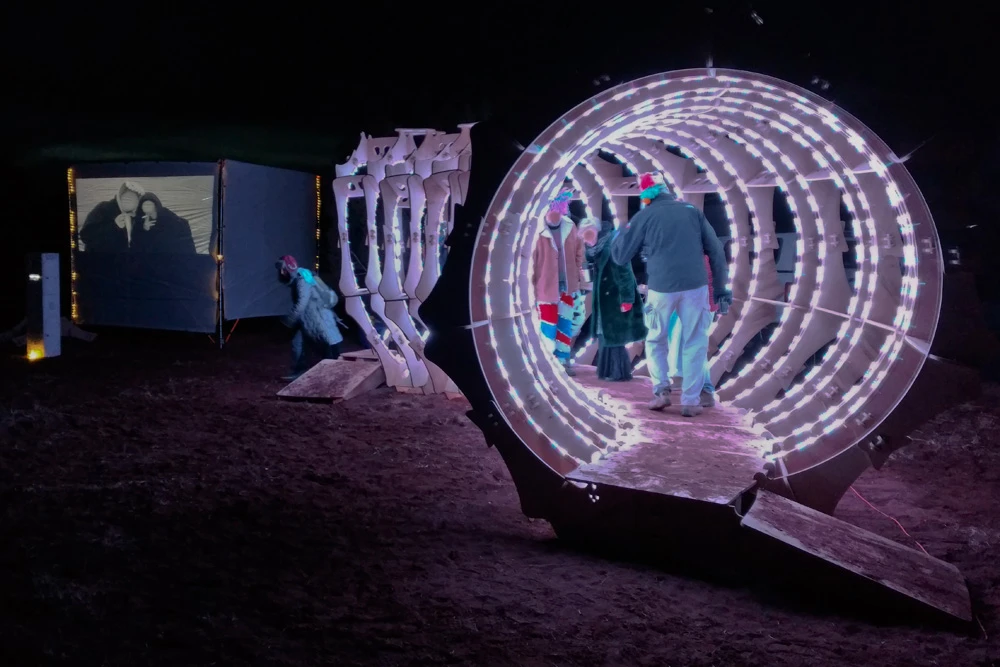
<point>613,286</point>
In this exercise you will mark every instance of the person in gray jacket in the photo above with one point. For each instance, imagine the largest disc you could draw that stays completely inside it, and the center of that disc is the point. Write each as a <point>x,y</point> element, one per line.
<point>312,317</point>
<point>675,237</point>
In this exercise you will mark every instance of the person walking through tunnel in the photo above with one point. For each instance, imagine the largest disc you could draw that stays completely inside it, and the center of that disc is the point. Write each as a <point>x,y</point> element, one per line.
<point>556,265</point>
<point>312,317</point>
<point>675,236</point>
<point>616,319</point>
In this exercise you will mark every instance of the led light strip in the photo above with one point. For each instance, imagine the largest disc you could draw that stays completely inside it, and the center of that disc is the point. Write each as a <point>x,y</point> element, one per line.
<point>855,301</point>
<point>868,233</point>
<point>813,305</point>
<point>544,387</point>
<point>814,210</point>
<point>319,219</point>
<point>618,123</point>
<point>544,184</point>
<point>71,188</point>
<point>545,366</point>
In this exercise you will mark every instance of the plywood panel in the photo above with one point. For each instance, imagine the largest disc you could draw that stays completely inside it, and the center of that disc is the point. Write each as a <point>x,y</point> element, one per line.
<point>335,380</point>
<point>863,554</point>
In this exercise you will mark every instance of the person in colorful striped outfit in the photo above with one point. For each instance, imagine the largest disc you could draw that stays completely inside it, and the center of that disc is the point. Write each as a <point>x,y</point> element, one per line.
<point>556,265</point>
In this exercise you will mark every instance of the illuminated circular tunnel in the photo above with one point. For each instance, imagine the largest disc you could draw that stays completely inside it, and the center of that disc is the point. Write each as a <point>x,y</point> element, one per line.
<point>851,327</point>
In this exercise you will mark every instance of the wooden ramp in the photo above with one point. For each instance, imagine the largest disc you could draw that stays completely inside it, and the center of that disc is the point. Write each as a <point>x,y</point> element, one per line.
<point>335,380</point>
<point>709,458</point>
<point>863,557</point>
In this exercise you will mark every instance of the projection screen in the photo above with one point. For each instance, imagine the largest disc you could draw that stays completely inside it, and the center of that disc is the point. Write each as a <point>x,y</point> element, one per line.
<point>144,246</point>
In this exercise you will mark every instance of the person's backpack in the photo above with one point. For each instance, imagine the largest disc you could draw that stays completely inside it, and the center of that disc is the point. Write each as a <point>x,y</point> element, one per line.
<point>328,297</point>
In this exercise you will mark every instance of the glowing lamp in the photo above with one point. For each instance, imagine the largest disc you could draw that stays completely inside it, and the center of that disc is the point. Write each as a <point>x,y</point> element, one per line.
<point>44,322</point>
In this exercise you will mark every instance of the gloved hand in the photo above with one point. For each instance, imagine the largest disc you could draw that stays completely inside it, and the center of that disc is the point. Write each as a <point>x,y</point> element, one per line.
<point>724,299</point>
<point>626,307</point>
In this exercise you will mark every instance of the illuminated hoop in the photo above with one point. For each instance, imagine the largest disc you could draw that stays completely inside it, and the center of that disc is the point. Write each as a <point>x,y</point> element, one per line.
<point>750,133</point>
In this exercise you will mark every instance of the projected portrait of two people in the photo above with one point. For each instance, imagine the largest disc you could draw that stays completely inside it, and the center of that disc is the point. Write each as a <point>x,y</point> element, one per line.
<point>144,249</point>
<point>135,221</point>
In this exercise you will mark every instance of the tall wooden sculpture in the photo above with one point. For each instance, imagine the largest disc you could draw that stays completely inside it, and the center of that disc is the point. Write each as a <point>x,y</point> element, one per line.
<point>424,173</point>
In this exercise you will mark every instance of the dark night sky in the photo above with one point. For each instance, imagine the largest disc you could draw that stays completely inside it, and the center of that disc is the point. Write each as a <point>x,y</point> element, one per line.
<point>342,70</point>
<point>295,84</point>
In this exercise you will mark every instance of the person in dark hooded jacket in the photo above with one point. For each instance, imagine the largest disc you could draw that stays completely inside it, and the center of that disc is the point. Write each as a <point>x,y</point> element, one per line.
<point>312,316</point>
<point>160,230</point>
<point>617,318</point>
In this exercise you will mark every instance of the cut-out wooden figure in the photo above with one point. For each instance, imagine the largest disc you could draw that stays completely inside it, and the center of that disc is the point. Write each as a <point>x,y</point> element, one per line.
<point>345,188</point>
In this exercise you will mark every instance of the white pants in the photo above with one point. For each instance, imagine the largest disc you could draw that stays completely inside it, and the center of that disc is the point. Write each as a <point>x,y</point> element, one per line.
<point>676,359</point>
<point>695,318</point>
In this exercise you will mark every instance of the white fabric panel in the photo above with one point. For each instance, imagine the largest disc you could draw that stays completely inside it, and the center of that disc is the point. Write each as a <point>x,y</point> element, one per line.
<point>266,213</point>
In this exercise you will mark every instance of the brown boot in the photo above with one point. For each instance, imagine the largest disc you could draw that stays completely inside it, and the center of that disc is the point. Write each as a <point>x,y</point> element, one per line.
<point>707,399</point>
<point>660,401</point>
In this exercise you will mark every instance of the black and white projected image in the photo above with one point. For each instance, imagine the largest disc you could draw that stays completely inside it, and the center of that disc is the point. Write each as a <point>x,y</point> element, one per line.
<point>162,215</point>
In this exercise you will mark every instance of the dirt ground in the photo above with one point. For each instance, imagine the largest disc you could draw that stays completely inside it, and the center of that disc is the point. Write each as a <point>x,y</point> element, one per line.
<point>158,506</point>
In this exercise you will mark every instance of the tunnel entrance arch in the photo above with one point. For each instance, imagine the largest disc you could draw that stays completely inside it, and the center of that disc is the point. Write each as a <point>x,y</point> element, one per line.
<point>852,324</point>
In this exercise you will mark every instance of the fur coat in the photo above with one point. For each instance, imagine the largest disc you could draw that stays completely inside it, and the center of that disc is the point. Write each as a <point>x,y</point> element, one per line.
<point>614,285</point>
<point>317,322</point>
<point>545,262</point>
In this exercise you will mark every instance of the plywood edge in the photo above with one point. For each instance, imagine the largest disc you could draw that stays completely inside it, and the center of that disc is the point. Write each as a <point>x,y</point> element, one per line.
<point>370,378</point>
<point>360,355</point>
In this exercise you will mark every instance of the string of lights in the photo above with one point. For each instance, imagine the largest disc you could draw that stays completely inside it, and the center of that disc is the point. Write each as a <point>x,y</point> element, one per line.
<point>747,135</point>
<point>73,223</point>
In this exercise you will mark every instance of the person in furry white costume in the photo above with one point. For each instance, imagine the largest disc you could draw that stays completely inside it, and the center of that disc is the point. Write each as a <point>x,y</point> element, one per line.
<point>312,316</point>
